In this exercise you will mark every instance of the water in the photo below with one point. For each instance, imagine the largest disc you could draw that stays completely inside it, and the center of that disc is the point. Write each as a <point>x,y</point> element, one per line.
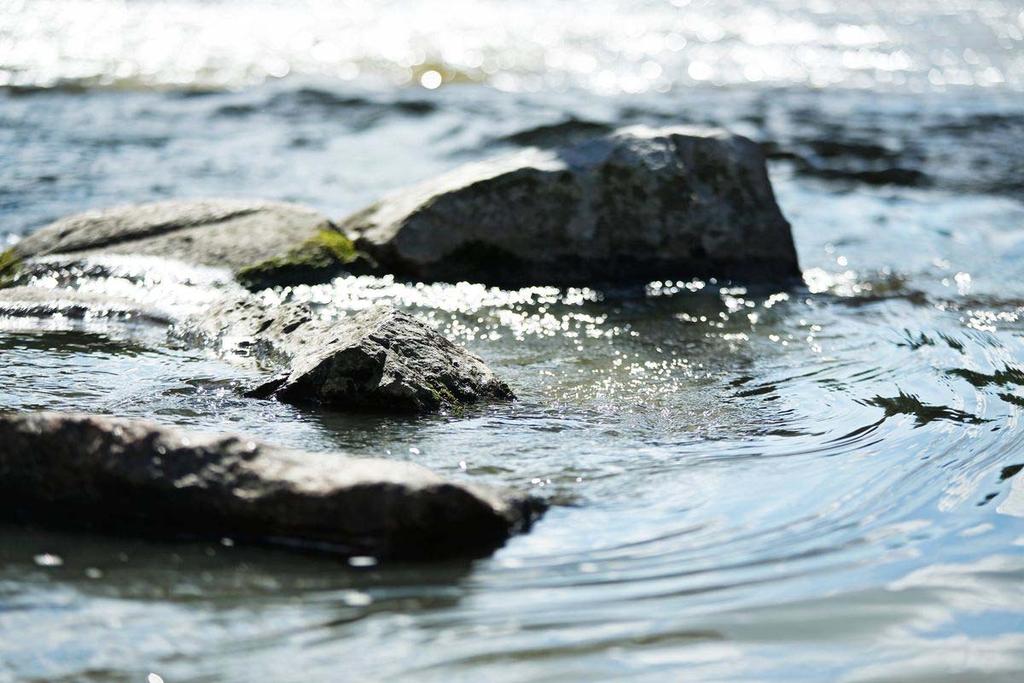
<point>819,484</point>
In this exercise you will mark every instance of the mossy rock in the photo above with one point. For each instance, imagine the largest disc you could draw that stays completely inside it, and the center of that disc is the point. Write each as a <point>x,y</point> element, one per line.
<point>10,264</point>
<point>319,259</point>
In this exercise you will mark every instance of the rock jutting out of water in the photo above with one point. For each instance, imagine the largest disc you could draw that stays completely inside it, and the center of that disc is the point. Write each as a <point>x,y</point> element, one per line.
<point>637,205</point>
<point>623,209</point>
<point>131,476</point>
<point>263,243</point>
<point>641,204</point>
<point>378,360</point>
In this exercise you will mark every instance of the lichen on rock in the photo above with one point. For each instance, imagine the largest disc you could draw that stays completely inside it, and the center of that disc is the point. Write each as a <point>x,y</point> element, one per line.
<point>232,234</point>
<point>10,264</point>
<point>320,258</point>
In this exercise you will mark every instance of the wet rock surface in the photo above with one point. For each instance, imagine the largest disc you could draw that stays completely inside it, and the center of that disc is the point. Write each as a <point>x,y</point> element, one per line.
<point>137,477</point>
<point>242,235</point>
<point>314,261</point>
<point>635,206</point>
<point>380,360</point>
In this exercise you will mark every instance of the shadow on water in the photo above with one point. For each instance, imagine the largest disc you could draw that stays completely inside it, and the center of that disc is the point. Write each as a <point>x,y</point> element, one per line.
<point>93,582</point>
<point>221,575</point>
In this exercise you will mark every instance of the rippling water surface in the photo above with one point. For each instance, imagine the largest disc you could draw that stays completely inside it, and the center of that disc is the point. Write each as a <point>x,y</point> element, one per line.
<point>815,484</point>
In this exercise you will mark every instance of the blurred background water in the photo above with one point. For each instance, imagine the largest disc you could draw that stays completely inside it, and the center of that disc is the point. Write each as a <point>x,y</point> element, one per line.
<point>818,484</point>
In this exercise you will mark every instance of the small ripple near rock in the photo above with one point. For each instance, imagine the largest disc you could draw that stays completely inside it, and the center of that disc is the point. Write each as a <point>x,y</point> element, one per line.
<point>380,359</point>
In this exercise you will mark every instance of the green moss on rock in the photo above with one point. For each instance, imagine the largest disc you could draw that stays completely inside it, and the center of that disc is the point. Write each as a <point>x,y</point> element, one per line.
<point>10,263</point>
<point>315,261</point>
<point>445,398</point>
<point>335,243</point>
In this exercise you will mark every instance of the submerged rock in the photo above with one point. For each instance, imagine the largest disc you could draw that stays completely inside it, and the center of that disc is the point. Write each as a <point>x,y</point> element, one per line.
<point>379,360</point>
<point>264,243</point>
<point>638,205</point>
<point>39,303</point>
<point>138,477</point>
<point>50,291</point>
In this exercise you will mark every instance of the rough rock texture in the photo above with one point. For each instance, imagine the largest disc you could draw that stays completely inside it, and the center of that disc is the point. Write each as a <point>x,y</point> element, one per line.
<point>266,242</point>
<point>379,360</point>
<point>639,205</point>
<point>138,477</point>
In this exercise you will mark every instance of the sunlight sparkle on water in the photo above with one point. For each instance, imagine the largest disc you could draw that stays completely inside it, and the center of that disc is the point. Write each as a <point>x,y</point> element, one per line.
<point>614,47</point>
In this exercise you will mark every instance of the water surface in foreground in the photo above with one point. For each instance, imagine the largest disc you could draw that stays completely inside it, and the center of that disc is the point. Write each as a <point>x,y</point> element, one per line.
<point>819,484</point>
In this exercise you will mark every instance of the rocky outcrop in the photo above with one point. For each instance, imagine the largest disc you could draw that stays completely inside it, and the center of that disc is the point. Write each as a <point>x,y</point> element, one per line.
<point>129,476</point>
<point>638,205</point>
<point>377,360</point>
<point>264,243</point>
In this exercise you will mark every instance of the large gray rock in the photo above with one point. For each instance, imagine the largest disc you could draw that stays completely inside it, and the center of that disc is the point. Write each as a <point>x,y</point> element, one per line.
<point>635,206</point>
<point>137,477</point>
<point>265,243</point>
<point>380,359</point>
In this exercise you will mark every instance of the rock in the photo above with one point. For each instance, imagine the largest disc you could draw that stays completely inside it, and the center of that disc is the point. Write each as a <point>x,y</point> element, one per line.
<point>638,205</point>
<point>383,359</point>
<point>265,243</point>
<point>317,260</point>
<point>10,263</point>
<point>377,360</point>
<point>129,476</point>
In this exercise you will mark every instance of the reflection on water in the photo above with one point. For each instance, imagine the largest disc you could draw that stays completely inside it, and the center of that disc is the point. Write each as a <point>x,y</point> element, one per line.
<point>632,46</point>
<point>816,484</point>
